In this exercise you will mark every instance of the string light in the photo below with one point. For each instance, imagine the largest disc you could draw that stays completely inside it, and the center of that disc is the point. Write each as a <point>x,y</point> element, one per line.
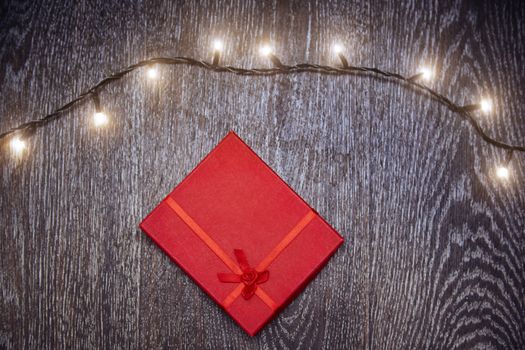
<point>502,172</point>
<point>266,50</point>
<point>338,50</point>
<point>100,118</point>
<point>217,49</point>
<point>18,145</point>
<point>153,72</point>
<point>217,45</point>
<point>485,105</point>
<point>425,73</point>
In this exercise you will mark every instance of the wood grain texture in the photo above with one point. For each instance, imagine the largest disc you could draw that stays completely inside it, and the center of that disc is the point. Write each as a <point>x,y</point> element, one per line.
<point>435,245</point>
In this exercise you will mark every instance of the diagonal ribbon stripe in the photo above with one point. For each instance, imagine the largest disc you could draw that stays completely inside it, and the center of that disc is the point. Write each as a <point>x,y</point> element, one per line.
<point>286,241</point>
<point>241,258</point>
<point>203,235</point>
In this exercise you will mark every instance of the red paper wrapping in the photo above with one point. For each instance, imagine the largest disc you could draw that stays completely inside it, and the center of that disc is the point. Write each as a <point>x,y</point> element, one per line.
<point>242,234</point>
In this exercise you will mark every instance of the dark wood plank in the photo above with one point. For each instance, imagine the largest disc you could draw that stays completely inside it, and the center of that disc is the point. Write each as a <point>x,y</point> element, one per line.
<point>434,256</point>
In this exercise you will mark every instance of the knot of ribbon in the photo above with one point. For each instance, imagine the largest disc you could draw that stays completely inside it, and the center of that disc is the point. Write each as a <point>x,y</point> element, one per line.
<point>249,277</point>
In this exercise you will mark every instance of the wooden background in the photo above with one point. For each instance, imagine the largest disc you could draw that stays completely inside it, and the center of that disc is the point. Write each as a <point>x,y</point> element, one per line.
<point>435,244</point>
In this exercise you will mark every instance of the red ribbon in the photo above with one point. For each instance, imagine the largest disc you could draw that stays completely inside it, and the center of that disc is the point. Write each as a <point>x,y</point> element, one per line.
<point>249,277</point>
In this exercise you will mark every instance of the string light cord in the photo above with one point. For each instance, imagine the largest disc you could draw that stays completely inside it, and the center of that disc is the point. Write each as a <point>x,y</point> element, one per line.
<point>465,112</point>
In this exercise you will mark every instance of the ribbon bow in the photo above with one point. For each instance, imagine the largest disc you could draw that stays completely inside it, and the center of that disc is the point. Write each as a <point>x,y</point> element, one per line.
<point>250,277</point>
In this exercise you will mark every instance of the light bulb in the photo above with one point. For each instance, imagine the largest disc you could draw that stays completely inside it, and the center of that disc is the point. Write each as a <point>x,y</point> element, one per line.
<point>485,105</point>
<point>153,73</point>
<point>502,172</point>
<point>426,73</point>
<point>217,45</point>
<point>100,119</point>
<point>266,50</point>
<point>338,48</point>
<point>18,145</point>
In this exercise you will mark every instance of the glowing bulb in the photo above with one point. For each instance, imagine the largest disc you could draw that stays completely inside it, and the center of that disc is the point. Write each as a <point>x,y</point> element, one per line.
<point>153,73</point>
<point>338,48</point>
<point>217,45</point>
<point>18,145</point>
<point>266,50</point>
<point>100,119</point>
<point>502,172</point>
<point>426,73</point>
<point>485,105</point>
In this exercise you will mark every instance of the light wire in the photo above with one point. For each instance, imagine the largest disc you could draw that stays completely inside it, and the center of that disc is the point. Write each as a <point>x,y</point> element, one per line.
<point>278,69</point>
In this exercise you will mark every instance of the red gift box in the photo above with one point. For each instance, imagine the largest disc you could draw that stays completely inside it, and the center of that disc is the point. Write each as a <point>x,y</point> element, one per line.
<point>242,234</point>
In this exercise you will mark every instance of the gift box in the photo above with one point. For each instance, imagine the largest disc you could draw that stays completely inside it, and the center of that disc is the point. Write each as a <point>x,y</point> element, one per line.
<point>242,234</point>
